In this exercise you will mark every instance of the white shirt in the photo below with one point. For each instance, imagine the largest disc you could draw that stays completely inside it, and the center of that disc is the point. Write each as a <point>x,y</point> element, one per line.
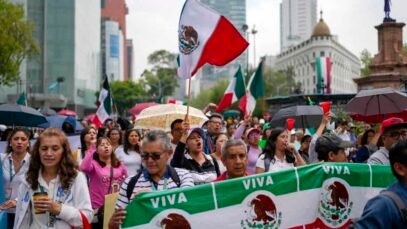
<point>12,178</point>
<point>275,165</point>
<point>132,160</point>
<point>74,201</point>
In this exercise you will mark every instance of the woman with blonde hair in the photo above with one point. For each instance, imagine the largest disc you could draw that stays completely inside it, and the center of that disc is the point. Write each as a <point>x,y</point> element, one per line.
<point>55,194</point>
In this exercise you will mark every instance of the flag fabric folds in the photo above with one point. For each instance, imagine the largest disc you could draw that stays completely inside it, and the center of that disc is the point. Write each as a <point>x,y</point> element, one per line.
<point>205,36</point>
<point>234,91</point>
<point>105,108</point>
<point>22,100</point>
<point>255,90</point>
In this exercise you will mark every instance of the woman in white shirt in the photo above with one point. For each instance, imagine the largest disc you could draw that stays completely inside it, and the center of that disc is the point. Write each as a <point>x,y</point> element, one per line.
<point>278,154</point>
<point>129,152</point>
<point>14,163</point>
<point>55,194</point>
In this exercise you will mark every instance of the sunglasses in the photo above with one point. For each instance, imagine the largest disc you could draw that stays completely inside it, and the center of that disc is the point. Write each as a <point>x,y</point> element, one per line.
<point>154,156</point>
<point>254,135</point>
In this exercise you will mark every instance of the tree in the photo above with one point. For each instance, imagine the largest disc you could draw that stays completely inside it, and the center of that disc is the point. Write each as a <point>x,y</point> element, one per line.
<point>210,96</point>
<point>125,94</point>
<point>161,80</point>
<point>405,48</point>
<point>366,58</point>
<point>16,41</point>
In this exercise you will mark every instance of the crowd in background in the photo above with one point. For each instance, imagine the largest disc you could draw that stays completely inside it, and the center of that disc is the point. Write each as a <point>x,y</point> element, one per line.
<point>51,185</point>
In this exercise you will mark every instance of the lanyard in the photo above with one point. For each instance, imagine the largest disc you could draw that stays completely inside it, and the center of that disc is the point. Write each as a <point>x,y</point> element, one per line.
<point>11,169</point>
<point>155,188</point>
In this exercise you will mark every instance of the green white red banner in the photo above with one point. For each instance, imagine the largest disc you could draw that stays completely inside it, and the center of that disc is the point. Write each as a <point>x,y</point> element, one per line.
<point>325,195</point>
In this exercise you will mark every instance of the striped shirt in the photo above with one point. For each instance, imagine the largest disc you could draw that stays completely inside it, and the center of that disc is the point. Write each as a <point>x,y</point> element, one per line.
<point>201,174</point>
<point>145,182</point>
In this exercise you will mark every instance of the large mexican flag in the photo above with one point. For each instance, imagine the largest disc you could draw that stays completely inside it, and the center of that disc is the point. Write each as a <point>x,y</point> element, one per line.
<point>325,195</point>
<point>323,70</point>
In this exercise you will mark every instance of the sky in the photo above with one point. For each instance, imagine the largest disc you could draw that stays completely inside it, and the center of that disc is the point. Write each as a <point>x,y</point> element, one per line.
<point>153,25</point>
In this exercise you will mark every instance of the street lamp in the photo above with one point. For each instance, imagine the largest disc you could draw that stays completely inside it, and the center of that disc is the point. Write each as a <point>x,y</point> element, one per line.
<point>245,28</point>
<point>322,86</point>
<point>254,31</point>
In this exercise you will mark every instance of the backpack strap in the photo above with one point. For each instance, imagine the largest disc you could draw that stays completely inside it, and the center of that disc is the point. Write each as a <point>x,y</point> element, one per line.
<point>174,176</point>
<point>399,203</point>
<point>216,164</point>
<point>132,184</point>
<point>267,162</point>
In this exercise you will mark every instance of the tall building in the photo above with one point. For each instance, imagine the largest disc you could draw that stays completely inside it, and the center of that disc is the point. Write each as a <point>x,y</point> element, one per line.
<point>235,11</point>
<point>130,58</point>
<point>345,66</point>
<point>113,39</point>
<point>297,20</point>
<point>66,72</point>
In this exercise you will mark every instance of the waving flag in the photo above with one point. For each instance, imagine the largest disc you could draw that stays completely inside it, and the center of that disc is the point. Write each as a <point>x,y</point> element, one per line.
<point>205,36</point>
<point>234,91</point>
<point>323,69</point>
<point>255,90</point>
<point>105,107</point>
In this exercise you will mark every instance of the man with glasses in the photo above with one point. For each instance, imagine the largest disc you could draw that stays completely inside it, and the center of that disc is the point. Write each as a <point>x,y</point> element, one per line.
<point>155,176</point>
<point>176,133</point>
<point>393,130</point>
<point>215,126</point>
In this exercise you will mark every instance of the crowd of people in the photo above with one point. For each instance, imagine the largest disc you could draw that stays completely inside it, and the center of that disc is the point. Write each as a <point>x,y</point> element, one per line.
<point>52,185</point>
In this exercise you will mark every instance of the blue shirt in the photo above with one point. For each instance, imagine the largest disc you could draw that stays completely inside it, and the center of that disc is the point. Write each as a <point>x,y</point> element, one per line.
<point>382,212</point>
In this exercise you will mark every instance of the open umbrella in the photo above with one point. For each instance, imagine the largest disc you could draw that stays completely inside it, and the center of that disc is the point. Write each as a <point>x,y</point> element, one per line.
<point>136,109</point>
<point>161,116</point>
<point>57,121</point>
<point>17,115</point>
<point>67,112</point>
<point>377,104</point>
<point>48,111</point>
<point>305,116</point>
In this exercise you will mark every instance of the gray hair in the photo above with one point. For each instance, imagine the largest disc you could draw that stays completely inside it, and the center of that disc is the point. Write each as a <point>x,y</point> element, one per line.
<point>158,135</point>
<point>230,143</point>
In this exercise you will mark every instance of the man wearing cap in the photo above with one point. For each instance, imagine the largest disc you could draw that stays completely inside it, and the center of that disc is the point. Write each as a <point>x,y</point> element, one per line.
<point>392,131</point>
<point>189,155</point>
<point>215,126</point>
<point>388,209</point>
<point>234,157</point>
<point>331,148</point>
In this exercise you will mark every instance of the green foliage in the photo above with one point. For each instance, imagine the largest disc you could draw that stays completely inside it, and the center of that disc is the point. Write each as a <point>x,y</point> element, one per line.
<point>16,41</point>
<point>279,83</point>
<point>405,48</point>
<point>366,58</point>
<point>125,94</point>
<point>210,96</point>
<point>161,80</point>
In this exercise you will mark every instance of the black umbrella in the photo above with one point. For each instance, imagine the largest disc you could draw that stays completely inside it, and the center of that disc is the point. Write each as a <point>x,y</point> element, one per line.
<point>305,116</point>
<point>17,115</point>
<point>379,101</point>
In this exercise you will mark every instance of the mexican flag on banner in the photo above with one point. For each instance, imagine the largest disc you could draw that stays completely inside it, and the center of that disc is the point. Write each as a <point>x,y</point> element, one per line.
<point>255,90</point>
<point>234,91</point>
<point>323,69</point>
<point>205,36</point>
<point>323,195</point>
<point>22,100</point>
<point>105,107</point>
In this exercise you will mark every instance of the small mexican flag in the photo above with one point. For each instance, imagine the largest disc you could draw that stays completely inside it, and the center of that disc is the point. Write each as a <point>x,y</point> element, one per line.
<point>234,91</point>
<point>205,36</point>
<point>178,102</point>
<point>105,107</point>
<point>255,90</point>
<point>22,100</point>
<point>323,68</point>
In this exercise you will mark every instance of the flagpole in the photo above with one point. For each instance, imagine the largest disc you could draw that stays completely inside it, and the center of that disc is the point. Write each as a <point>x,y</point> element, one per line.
<point>188,96</point>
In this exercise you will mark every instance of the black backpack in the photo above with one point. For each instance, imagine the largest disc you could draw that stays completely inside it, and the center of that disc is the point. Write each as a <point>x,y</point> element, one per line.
<point>132,183</point>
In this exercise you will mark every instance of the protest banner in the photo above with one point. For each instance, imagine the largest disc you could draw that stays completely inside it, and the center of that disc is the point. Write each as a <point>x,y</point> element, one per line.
<point>324,195</point>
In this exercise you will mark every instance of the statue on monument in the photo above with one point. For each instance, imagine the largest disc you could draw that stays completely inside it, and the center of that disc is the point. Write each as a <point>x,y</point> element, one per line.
<point>387,17</point>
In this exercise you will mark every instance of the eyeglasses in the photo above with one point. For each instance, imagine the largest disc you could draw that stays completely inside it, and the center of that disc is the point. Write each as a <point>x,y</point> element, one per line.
<point>398,134</point>
<point>217,123</point>
<point>154,155</point>
<point>254,135</point>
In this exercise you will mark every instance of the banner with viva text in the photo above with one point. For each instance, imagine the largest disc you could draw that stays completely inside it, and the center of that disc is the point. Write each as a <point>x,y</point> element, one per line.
<point>324,195</point>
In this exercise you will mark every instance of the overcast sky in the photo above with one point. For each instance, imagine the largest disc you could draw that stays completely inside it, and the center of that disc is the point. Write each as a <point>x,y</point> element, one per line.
<point>153,24</point>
